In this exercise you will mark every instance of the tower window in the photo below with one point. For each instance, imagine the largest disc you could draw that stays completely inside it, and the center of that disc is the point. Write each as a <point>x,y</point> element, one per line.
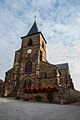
<point>30,42</point>
<point>45,75</point>
<point>40,55</point>
<point>28,67</point>
<point>42,44</point>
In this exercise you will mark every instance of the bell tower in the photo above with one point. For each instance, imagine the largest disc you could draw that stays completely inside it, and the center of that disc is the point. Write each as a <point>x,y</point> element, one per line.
<point>32,52</point>
<point>34,45</point>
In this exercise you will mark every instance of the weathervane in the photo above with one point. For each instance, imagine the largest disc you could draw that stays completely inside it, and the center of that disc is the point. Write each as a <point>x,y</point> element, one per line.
<point>35,18</point>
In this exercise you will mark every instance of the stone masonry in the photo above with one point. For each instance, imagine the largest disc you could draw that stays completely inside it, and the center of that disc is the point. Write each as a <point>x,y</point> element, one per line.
<point>31,69</point>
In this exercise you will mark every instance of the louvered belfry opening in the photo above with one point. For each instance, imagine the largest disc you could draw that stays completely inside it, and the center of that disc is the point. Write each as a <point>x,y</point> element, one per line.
<point>30,42</point>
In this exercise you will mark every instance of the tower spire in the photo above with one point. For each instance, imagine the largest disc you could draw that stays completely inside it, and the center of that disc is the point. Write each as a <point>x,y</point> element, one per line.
<point>34,28</point>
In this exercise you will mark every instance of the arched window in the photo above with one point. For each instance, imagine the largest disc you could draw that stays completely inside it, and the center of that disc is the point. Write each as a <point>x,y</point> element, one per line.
<point>28,67</point>
<point>30,42</point>
<point>45,75</point>
<point>42,44</point>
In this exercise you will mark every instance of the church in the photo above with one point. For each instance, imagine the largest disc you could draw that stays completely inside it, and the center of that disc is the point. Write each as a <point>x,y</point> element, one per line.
<point>31,69</point>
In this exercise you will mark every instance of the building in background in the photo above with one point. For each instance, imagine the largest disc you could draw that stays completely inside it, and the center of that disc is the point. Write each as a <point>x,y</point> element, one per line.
<point>1,85</point>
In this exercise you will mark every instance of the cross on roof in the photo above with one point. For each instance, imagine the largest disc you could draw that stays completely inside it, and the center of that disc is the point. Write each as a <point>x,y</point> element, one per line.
<point>35,18</point>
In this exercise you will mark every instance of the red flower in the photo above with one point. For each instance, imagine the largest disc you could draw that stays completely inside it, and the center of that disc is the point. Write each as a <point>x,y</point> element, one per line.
<point>41,89</point>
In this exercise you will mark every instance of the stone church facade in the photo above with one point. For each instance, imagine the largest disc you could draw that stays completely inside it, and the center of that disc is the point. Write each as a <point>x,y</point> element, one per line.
<point>31,69</point>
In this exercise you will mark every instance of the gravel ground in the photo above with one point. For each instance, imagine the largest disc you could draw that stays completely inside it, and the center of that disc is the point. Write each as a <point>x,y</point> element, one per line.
<point>11,109</point>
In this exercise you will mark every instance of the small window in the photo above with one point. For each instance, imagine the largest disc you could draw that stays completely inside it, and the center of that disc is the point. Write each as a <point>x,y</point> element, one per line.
<point>40,55</point>
<point>30,42</point>
<point>45,75</point>
<point>42,44</point>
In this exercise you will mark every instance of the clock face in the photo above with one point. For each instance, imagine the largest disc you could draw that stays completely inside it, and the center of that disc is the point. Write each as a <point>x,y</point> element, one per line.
<point>29,51</point>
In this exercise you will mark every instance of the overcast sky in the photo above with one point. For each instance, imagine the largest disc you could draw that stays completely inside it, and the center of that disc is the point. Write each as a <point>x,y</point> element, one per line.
<point>58,20</point>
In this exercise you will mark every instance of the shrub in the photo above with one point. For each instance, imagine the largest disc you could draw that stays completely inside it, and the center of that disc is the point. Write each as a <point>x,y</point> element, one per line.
<point>50,97</point>
<point>38,98</point>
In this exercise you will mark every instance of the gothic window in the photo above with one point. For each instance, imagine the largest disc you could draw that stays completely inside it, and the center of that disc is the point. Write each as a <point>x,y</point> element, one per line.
<point>28,67</point>
<point>30,42</point>
<point>42,44</point>
<point>40,55</point>
<point>45,75</point>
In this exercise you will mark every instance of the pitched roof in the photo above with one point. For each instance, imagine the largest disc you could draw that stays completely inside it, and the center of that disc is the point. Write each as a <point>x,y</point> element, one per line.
<point>62,66</point>
<point>34,29</point>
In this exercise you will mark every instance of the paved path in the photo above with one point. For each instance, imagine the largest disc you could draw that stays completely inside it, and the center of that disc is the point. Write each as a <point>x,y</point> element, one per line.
<point>19,110</point>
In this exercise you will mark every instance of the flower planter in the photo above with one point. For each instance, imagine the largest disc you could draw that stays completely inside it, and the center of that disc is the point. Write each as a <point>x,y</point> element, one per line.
<point>41,90</point>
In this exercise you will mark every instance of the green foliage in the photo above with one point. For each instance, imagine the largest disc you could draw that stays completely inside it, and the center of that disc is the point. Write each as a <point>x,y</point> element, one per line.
<point>38,98</point>
<point>50,97</point>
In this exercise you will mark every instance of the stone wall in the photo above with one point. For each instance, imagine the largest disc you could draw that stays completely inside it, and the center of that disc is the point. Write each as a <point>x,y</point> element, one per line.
<point>75,95</point>
<point>57,97</point>
<point>68,96</point>
<point>71,95</point>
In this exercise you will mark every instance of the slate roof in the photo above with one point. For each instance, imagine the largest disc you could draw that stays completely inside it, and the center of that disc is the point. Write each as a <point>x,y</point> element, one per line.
<point>62,66</point>
<point>34,29</point>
